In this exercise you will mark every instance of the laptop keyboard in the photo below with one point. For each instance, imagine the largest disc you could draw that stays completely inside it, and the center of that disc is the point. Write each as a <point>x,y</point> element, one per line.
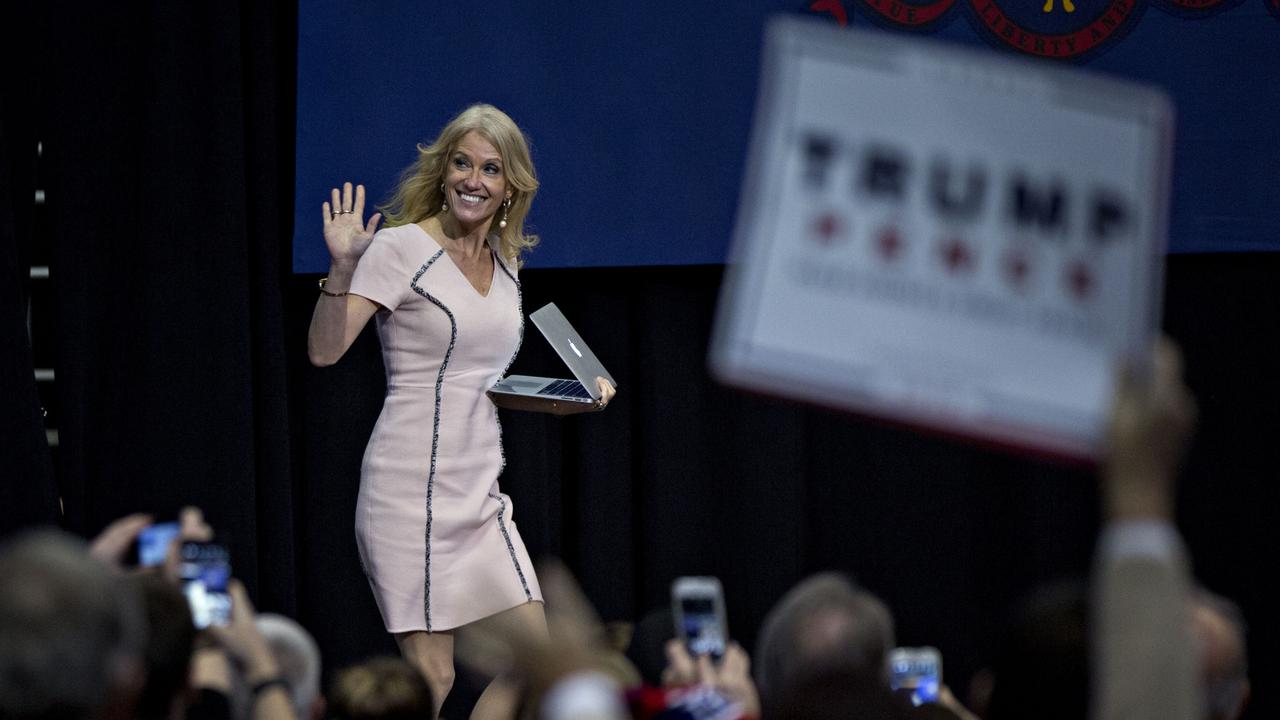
<point>566,388</point>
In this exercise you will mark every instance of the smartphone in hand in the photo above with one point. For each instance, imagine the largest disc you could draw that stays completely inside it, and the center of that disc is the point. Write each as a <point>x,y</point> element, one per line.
<point>916,672</point>
<point>151,547</point>
<point>697,603</point>
<point>205,571</point>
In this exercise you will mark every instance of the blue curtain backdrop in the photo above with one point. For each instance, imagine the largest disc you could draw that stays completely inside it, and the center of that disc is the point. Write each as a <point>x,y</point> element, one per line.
<point>639,114</point>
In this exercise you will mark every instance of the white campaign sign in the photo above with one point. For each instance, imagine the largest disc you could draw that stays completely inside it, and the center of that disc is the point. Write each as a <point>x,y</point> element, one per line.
<point>945,237</point>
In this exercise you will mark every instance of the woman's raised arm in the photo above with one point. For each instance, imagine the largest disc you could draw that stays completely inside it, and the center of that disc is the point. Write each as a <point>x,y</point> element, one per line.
<point>339,317</point>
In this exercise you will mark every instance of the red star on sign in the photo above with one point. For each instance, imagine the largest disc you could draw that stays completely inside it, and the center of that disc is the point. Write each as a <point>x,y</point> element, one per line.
<point>956,255</point>
<point>827,228</point>
<point>1080,280</point>
<point>888,243</point>
<point>1016,269</point>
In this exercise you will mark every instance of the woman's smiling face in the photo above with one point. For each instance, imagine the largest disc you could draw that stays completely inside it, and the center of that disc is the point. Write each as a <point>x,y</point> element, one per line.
<point>474,183</point>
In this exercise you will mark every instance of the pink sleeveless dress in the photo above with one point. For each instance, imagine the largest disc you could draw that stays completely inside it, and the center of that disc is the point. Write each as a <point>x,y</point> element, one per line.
<point>436,536</point>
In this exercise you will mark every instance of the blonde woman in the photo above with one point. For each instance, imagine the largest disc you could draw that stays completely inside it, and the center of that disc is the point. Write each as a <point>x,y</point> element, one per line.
<point>435,534</point>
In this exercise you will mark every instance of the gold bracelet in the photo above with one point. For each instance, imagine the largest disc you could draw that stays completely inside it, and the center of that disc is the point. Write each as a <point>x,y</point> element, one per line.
<point>324,280</point>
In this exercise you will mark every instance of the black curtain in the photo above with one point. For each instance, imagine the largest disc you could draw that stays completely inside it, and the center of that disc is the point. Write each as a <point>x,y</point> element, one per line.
<point>28,495</point>
<point>169,146</point>
<point>183,380</point>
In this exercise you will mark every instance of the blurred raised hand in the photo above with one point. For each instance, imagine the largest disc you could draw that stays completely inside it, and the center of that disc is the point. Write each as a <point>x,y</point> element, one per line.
<point>731,676</point>
<point>575,643</point>
<point>111,545</point>
<point>1151,422</point>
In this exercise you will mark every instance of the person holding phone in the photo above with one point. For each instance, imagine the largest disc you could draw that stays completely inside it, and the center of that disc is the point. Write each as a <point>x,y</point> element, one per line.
<point>435,534</point>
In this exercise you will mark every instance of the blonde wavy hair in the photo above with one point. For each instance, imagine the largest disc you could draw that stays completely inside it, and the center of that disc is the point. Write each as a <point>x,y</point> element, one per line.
<point>418,195</point>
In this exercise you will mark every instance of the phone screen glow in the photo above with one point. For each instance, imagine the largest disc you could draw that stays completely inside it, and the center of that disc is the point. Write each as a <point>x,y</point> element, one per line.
<point>205,571</point>
<point>153,543</point>
<point>919,675</point>
<point>702,632</point>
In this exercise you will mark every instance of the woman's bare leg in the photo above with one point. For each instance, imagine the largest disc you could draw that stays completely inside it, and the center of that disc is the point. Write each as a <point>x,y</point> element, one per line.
<point>501,698</point>
<point>432,654</point>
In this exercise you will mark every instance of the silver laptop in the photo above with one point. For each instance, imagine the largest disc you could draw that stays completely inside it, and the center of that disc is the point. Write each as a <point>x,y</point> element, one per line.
<point>554,395</point>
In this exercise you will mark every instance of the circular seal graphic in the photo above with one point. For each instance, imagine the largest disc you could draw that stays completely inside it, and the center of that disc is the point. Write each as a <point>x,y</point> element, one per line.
<point>909,14</point>
<point>1195,8</point>
<point>834,8</point>
<point>1062,29</point>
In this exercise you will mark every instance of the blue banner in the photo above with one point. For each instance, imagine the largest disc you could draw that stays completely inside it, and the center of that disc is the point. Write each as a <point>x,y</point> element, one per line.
<point>639,113</point>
